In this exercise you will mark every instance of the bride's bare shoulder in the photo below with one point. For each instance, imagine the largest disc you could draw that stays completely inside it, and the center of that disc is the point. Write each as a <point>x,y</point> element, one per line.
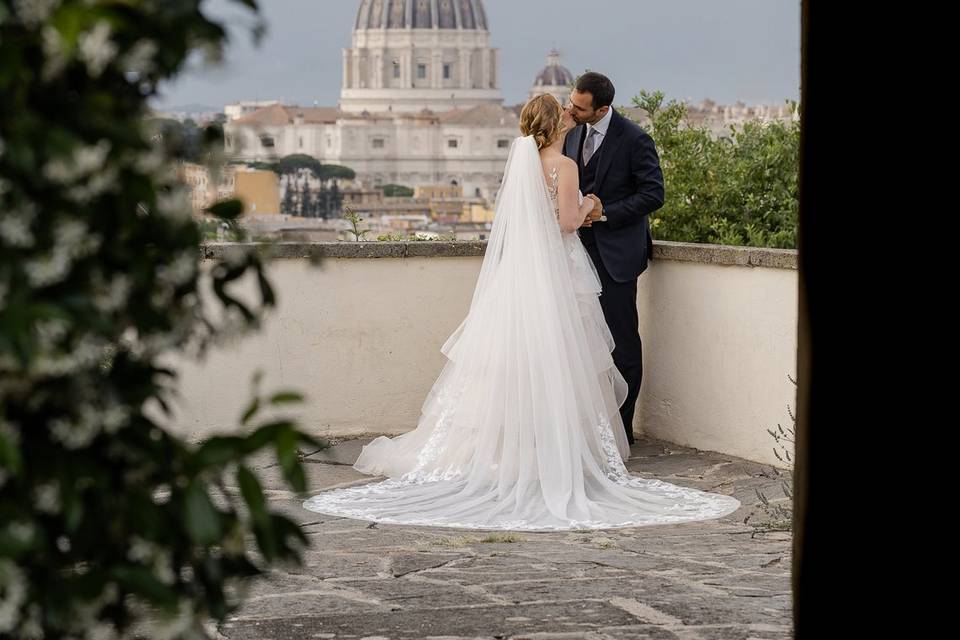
<point>567,166</point>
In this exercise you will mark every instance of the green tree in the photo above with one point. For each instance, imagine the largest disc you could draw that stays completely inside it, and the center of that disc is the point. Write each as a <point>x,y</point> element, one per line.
<point>288,205</point>
<point>737,190</point>
<point>326,202</point>
<point>397,190</point>
<point>336,172</point>
<point>307,203</point>
<point>334,208</point>
<point>110,524</point>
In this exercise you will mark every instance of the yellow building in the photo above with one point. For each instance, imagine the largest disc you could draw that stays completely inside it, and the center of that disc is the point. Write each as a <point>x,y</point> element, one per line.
<point>439,192</point>
<point>259,191</point>
<point>446,201</point>
<point>476,212</point>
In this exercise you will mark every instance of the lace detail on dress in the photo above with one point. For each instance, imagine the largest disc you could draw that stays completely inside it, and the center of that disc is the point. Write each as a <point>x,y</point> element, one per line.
<point>554,190</point>
<point>446,399</point>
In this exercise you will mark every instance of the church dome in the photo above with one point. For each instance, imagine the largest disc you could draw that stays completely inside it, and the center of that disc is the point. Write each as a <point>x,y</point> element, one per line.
<point>554,74</point>
<point>421,14</point>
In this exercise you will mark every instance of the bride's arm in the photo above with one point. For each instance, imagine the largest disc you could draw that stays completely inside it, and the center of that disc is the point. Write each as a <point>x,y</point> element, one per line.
<point>572,211</point>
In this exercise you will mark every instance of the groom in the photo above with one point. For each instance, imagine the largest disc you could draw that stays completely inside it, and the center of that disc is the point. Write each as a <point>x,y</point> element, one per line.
<point>620,169</point>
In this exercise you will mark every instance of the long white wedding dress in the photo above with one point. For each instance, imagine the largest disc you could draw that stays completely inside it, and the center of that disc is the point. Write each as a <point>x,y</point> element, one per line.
<point>521,430</point>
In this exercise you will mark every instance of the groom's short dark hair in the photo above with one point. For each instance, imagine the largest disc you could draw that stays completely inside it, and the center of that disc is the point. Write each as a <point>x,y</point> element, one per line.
<point>598,86</point>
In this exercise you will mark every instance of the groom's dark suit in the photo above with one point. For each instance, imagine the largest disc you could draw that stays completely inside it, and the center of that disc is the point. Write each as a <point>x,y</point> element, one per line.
<point>625,174</point>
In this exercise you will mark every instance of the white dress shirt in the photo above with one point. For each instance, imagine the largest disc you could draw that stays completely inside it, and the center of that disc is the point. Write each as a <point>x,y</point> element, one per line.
<point>602,125</point>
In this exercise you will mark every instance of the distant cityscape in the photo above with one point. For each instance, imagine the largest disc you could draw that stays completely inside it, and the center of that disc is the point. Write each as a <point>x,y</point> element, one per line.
<point>419,136</point>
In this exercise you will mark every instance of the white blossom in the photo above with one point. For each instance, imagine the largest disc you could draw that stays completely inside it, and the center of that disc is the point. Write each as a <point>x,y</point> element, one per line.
<point>96,49</point>
<point>90,158</point>
<point>51,42</point>
<point>13,593</point>
<point>158,343</point>
<point>47,498</point>
<point>72,435</point>
<point>21,531</point>
<point>15,227</point>
<point>161,495</point>
<point>101,631</point>
<point>33,12</point>
<point>48,269</point>
<point>150,161</point>
<point>107,298</point>
<point>140,57</point>
<point>140,550</point>
<point>72,241</point>
<point>115,415</point>
<point>30,627</point>
<point>175,203</point>
<point>55,58</point>
<point>84,160</point>
<point>163,568</point>
<point>72,238</point>
<point>180,271</point>
<point>97,184</point>
<point>51,331</point>
<point>89,351</point>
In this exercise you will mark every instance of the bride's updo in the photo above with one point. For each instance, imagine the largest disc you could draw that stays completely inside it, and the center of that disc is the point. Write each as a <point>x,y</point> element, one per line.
<point>541,118</point>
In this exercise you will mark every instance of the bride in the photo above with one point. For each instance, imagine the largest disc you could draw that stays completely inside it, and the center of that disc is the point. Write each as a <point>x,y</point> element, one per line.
<point>521,430</point>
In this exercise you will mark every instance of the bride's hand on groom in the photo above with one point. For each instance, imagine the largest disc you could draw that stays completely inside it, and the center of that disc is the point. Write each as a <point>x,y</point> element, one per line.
<point>595,213</point>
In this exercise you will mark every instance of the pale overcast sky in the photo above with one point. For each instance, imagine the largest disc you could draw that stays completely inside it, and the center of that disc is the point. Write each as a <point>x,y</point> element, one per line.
<point>726,50</point>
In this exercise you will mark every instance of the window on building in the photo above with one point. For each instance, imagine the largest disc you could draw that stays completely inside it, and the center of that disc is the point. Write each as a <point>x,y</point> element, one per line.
<point>300,140</point>
<point>378,143</point>
<point>421,71</point>
<point>453,143</point>
<point>503,144</point>
<point>446,72</point>
<point>267,141</point>
<point>396,69</point>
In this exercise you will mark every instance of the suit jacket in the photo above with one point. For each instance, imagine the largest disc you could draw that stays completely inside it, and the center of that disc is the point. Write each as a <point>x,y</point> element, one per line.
<point>629,182</point>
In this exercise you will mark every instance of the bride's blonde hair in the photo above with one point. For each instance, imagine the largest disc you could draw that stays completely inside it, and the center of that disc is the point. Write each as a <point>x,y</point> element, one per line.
<point>541,118</point>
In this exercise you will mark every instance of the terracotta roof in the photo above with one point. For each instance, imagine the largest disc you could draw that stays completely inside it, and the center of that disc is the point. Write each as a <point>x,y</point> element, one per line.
<point>278,115</point>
